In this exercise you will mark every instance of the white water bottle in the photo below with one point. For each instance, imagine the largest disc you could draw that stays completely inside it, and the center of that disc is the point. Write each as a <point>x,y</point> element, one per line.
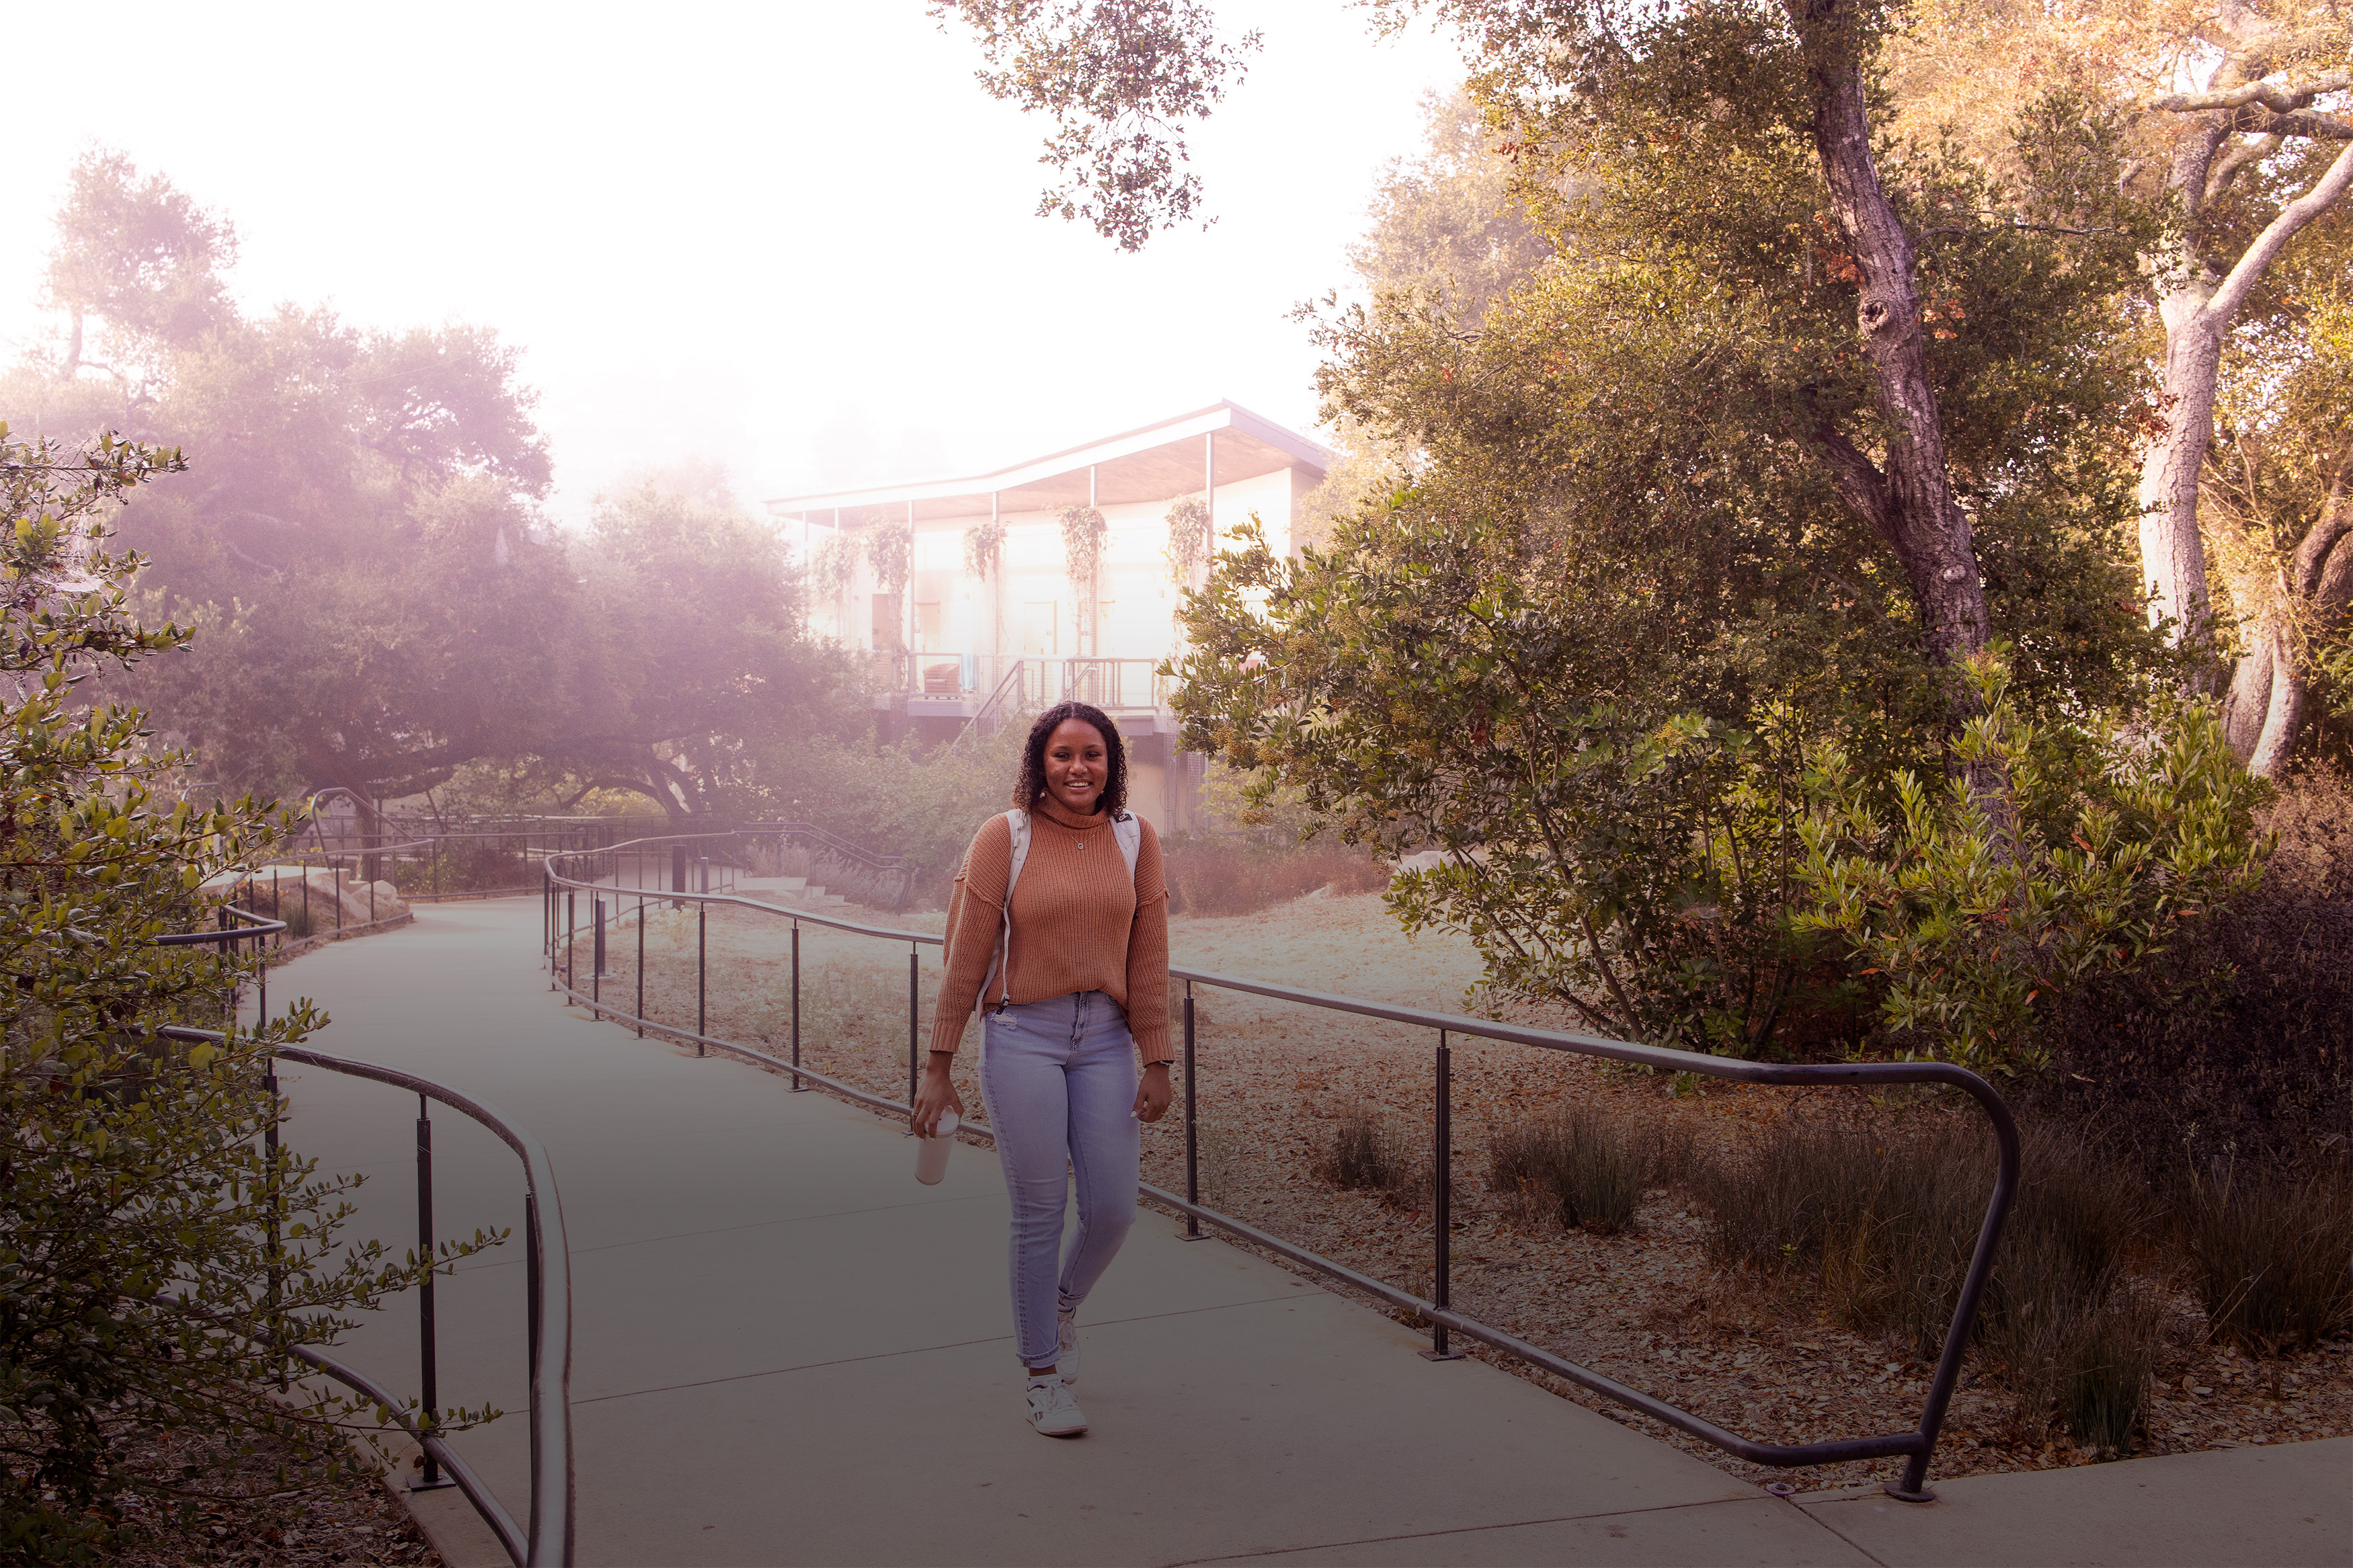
<point>932,1153</point>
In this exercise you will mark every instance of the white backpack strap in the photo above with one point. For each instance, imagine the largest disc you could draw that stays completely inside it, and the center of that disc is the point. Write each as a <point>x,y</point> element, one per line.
<point>1128,829</point>
<point>1017,822</point>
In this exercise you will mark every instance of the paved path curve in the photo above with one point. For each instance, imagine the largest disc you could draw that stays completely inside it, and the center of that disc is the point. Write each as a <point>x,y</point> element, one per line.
<point>785,1350</point>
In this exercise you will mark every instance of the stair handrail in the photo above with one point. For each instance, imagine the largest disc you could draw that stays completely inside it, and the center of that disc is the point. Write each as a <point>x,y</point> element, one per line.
<point>993,710</point>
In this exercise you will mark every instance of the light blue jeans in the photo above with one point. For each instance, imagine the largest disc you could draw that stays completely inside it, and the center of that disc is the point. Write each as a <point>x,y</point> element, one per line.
<point>1059,1079</point>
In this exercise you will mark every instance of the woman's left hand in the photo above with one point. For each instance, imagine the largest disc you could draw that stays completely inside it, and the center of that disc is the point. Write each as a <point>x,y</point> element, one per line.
<point>1153,1094</point>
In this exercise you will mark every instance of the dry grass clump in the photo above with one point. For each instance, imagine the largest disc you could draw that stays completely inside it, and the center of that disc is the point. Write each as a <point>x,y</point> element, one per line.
<point>1368,1151</point>
<point>2272,1253</point>
<point>1584,1170</point>
<point>1888,1219</point>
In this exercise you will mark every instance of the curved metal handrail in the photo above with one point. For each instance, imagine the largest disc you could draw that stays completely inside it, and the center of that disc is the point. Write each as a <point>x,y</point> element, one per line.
<point>672,896</point>
<point>1918,1444</point>
<point>548,1542</point>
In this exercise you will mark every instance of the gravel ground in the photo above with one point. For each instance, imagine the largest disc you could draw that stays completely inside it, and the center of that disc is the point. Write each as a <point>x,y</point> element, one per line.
<point>1757,1355</point>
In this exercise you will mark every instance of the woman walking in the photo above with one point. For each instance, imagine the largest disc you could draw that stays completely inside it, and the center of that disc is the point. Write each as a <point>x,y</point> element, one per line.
<point>1071,971</point>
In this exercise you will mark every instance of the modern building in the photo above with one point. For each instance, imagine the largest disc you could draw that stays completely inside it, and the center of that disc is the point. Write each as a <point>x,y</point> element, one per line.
<point>960,591</point>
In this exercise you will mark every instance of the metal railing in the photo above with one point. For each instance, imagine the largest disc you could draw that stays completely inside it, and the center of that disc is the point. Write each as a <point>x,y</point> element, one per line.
<point>547,1316</point>
<point>547,1311</point>
<point>1917,1446</point>
<point>1023,680</point>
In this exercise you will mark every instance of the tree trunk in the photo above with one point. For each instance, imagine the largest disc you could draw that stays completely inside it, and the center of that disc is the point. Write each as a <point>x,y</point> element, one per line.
<point>1908,497</point>
<point>2283,714</point>
<point>2172,554</point>
<point>2198,309</point>
<point>2265,713</point>
<point>2250,696</point>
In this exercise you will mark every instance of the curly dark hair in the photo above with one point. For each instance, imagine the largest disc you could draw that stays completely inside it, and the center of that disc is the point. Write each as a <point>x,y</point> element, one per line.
<point>1031,787</point>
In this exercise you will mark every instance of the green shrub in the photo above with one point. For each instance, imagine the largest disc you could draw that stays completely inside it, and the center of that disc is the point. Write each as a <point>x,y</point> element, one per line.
<point>1207,877</point>
<point>1971,908</point>
<point>2237,1047</point>
<point>155,1263</point>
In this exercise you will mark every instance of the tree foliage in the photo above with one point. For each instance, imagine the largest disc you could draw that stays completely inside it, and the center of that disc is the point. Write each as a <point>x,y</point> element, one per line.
<point>157,1262</point>
<point>1659,528</point>
<point>1119,79</point>
<point>378,597</point>
<point>1969,913</point>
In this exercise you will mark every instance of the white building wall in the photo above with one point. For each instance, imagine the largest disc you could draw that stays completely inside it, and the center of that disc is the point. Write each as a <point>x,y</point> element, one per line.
<point>1034,609</point>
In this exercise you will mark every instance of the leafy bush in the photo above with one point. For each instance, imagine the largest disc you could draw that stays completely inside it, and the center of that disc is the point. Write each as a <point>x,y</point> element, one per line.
<point>894,800</point>
<point>1972,904</point>
<point>157,1263</point>
<point>470,865</point>
<point>2239,1047</point>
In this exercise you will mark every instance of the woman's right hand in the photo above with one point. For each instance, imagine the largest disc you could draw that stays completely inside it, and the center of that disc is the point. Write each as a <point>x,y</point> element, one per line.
<point>935,1096</point>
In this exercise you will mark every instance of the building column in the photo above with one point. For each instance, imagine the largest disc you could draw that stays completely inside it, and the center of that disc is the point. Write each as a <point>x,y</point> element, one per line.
<point>1094,606</point>
<point>1209,487</point>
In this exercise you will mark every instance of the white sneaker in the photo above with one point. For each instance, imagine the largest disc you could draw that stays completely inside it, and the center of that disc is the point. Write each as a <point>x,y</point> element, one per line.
<point>1053,1412</point>
<point>1066,1344</point>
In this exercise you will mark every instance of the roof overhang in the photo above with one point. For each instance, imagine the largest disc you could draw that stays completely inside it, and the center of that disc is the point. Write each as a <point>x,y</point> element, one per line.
<point>1156,463</point>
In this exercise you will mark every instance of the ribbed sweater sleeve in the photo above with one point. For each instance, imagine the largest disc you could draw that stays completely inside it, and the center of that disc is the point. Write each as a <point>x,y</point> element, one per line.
<point>1080,923</point>
<point>975,917</point>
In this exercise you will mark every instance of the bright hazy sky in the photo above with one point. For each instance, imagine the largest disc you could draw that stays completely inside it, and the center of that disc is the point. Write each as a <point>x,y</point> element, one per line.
<point>795,236</point>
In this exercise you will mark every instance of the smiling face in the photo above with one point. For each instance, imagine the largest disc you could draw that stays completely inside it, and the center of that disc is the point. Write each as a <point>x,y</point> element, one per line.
<point>1077,765</point>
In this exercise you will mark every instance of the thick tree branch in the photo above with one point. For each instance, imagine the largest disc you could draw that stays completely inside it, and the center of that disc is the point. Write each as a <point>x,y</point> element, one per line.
<point>2280,96</point>
<point>2239,156</point>
<point>2292,219</point>
<point>1859,483</point>
<point>2305,122</point>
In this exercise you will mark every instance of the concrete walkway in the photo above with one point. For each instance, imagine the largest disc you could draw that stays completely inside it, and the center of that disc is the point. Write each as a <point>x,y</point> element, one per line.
<point>785,1350</point>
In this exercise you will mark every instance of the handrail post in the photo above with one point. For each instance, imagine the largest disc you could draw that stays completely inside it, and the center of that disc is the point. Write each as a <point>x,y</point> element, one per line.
<point>1441,1172</point>
<point>1913,1488</point>
<point>530,1291</point>
<point>798,1087</point>
<point>913,995</point>
<point>430,1397</point>
<point>276,1205</point>
<point>596,955</point>
<point>642,969</point>
<point>1192,1127</point>
<point>701,955</point>
<point>571,934</point>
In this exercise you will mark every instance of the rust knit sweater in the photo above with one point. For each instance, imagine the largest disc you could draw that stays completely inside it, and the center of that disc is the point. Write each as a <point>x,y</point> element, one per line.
<point>1080,923</point>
